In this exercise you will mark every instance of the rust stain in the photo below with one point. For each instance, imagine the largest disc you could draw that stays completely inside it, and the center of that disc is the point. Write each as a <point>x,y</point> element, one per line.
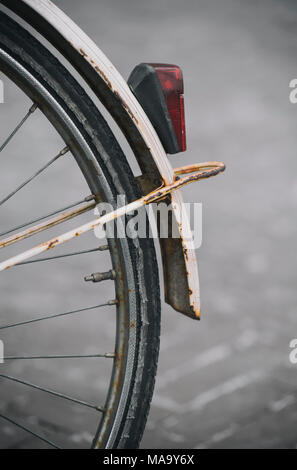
<point>96,67</point>
<point>185,250</point>
<point>52,243</point>
<point>125,105</point>
<point>83,53</point>
<point>102,74</point>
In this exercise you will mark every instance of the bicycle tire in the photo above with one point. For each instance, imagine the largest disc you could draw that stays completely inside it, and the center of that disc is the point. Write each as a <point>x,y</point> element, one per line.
<point>24,58</point>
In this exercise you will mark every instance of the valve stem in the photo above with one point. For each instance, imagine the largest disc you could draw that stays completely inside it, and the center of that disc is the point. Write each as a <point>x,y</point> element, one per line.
<point>98,277</point>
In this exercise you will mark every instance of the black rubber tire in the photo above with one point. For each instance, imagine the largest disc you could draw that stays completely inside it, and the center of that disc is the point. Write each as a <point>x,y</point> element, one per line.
<point>55,78</point>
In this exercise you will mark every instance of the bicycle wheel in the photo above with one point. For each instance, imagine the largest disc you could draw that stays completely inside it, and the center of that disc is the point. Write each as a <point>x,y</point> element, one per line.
<point>101,162</point>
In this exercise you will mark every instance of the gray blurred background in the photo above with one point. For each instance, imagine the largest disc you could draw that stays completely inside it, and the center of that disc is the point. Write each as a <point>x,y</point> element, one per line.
<point>224,382</point>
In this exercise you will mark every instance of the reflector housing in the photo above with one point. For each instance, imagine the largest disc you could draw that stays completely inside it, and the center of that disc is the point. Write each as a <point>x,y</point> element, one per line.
<point>159,89</point>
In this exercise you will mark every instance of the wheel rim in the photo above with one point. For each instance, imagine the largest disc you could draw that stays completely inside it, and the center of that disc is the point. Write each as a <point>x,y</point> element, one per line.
<point>125,343</point>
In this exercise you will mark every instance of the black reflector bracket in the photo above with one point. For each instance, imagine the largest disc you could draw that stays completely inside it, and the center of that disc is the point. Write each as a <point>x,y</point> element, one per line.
<point>159,89</point>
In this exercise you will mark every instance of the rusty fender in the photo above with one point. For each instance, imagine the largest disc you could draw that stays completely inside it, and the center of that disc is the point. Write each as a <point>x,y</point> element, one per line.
<point>179,260</point>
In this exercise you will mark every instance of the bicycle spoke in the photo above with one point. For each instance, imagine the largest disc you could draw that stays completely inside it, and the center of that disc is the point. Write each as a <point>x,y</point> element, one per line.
<point>31,178</point>
<point>34,221</point>
<point>31,111</point>
<point>68,215</point>
<point>71,356</point>
<point>52,392</point>
<point>48,317</point>
<point>78,231</point>
<point>28,430</point>
<point>66,255</point>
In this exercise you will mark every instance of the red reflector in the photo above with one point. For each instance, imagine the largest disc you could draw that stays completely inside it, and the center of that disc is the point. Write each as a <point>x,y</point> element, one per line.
<point>172,84</point>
